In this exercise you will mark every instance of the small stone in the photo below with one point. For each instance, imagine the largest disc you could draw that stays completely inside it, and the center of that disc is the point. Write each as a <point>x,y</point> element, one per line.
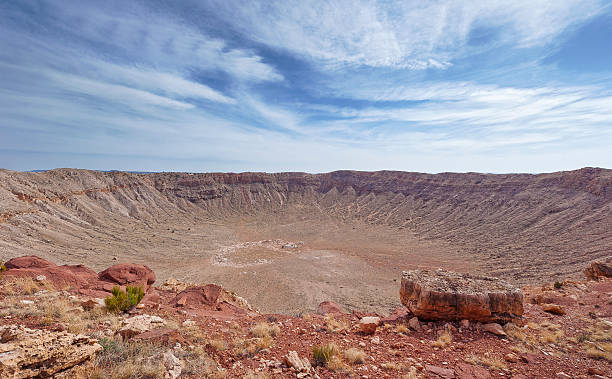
<point>554,309</point>
<point>375,340</point>
<point>368,325</point>
<point>562,375</point>
<point>445,373</point>
<point>27,302</point>
<point>414,323</point>
<point>362,344</point>
<point>595,371</point>
<point>511,357</point>
<point>465,323</point>
<point>494,328</point>
<point>41,278</point>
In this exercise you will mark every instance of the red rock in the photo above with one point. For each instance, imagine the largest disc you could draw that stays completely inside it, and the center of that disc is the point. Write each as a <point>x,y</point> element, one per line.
<point>368,325</point>
<point>595,371</point>
<point>529,358</point>
<point>494,328</point>
<point>329,307</point>
<point>211,300</point>
<point>128,274</point>
<point>554,309</point>
<point>399,314</point>
<point>198,296</point>
<point>599,270</point>
<point>446,373</point>
<point>511,357</point>
<point>445,295</point>
<point>151,298</point>
<point>551,297</point>
<point>468,371</point>
<point>28,261</point>
<point>75,277</point>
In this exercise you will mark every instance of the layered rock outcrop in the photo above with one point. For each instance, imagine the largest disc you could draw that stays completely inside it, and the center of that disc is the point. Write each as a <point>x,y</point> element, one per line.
<point>445,295</point>
<point>27,353</point>
<point>599,270</point>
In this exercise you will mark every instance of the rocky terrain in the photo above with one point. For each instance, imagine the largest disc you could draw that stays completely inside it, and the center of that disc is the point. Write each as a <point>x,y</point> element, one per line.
<point>53,323</point>
<point>288,241</point>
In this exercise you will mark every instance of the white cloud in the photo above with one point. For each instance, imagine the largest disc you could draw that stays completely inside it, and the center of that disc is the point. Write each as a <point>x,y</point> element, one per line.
<point>144,35</point>
<point>402,34</point>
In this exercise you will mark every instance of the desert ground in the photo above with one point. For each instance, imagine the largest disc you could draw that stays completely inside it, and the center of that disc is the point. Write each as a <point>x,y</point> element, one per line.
<point>288,241</point>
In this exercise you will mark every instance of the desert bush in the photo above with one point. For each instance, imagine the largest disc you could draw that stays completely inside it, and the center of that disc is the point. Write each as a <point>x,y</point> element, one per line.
<point>323,354</point>
<point>123,301</point>
<point>354,356</point>
<point>2,268</point>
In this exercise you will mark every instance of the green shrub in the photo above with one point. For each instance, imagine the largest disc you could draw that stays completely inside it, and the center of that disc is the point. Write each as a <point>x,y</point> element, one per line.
<point>123,301</point>
<point>323,354</point>
<point>558,284</point>
<point>2,268</point>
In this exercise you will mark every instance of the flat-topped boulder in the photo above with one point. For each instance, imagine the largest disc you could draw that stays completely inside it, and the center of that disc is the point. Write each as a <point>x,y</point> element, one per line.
<point>445,295</point>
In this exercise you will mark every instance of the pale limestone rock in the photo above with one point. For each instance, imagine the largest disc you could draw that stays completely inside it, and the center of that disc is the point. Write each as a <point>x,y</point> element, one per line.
<point>26,353</point>
<point>172,365</point>
<point>292,359</point>
<point>139,324</point>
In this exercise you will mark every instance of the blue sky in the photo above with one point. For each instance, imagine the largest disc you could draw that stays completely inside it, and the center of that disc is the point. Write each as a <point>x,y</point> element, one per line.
<point>489,86</point>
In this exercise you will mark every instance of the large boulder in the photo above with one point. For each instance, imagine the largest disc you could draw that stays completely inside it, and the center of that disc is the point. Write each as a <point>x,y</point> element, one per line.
<point>445,295</point>
<point>75,277</point>
<point>211,300</point>
<point>27,353</point>
<point>128,274</point>
<point>597,270</point>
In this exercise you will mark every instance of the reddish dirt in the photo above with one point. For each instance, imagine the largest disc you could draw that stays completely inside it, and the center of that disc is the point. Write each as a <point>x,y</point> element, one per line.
<point>222,316</point>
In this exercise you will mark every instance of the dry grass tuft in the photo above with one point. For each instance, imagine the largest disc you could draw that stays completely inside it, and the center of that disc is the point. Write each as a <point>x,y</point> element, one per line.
<point>515,332</point>
<point>263,329</point>
<point>412,373</point>
<point>392,366</point>
<point>128,360</point>
<point>354,355</point>
<point>323,354</point>
<point>443,340</point>
<point>402,328</point>
<point>334,325</point>
<point>491,362</point>
<point>603,351</point>
<point>218,344</point>
<point>336,363</point>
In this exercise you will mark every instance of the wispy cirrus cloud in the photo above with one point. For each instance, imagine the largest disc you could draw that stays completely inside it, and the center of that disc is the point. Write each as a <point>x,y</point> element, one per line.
<point>403,34</point>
